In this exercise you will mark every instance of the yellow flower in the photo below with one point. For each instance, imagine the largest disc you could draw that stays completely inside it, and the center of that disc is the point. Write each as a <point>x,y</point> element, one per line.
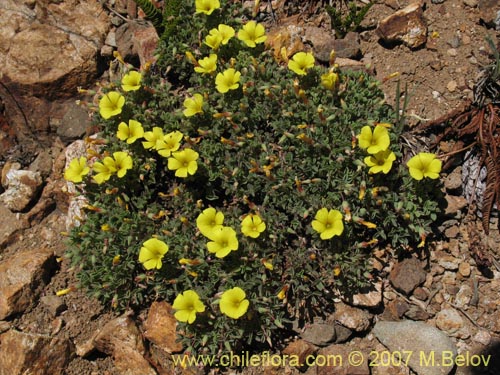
<point>206,6</point>
<point>376,141</point>
<point>233,303</point>
<point>104,170</point>
<point>226,32</point>
<point>228,80</point>
<point>380,162</point>
<point>252,34</point>
<point>193,105</point>
<point>130,132</point>
<point>328,223</point>
<point>77,168</point>
<point>187,304</point>
<point>111,104</point>
<point>131,81</point>
<point>213,39</point>
<point>183,162</point>
<point>172,142</point>
<point>423,165</point>
<point>154,139</point>
<point>123,162</point>
<point>329,80</point>
<point>252,226</point>
<point>209,221</point>
<point>207,65</point>
<point>223,242</point>
<point>300,62</point>
<point>152,252</point>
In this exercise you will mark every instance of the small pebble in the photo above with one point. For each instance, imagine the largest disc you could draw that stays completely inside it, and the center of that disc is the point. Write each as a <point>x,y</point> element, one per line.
<point>452,52</point>
<point>466,39</point>
<point>464,269</point>
<point>482,337</point>
<point>436,94</point>
<point>471,3</point>
<point>452,86</point>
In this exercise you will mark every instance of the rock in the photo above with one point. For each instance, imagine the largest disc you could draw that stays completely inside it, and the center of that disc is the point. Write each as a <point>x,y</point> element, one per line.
<point>323,42</point>
<point>349,47</point>
<point>9,226</point>
<point>47,50</point>
<point>9,166</point>
<point>448,262</point>
<point>488,12</point>
<point>417,313</point>
<point>50,55</point>
<point>354,65</point>
<point>406,25</point>
<point>319,334</point>
<point>74,124</point>
<point>464,269</point>
<point>421,293</point>
<point>424,341</point>
<point>134,40</point>
<point>370,297</point>
<point>160,327</point>
<point>300,349</point>
<point>397,308</point>
<point>54,304</point>
<point>451,86</point>
<point>463,296</point>
<point>449,320</point>
<point>453,181</point>
<point>21,276</point>
<point>452,52</point>
<point>351,317</point>
<point>471,3</point>
<point>338,360</point>
<point>42,164</point>
<point>407,275</point>
<point>121,339</point>
<point>25,353</point>
<point>22,188</point>
<point>145,42</point>
<point>342,334</point>
<point>452,232</point>
<point>482,337</point>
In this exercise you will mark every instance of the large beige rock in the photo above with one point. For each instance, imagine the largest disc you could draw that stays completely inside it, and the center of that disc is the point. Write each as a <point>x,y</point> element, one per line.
<point>21,276</point>
<point>25,353</point>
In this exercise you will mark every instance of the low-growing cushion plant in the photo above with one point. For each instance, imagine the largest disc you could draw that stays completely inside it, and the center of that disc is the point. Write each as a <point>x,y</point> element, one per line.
<point>247,191</point>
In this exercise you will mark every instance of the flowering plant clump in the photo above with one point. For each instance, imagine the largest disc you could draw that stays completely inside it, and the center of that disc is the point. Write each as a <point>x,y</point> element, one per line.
<point>243,189</point>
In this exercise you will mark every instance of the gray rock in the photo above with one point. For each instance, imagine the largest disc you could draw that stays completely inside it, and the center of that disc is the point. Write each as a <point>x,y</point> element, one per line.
<point>320,334</point>
<point>450,321</point>
<point>407,275</point>
<point>429,346</point>
<point>73,124</point>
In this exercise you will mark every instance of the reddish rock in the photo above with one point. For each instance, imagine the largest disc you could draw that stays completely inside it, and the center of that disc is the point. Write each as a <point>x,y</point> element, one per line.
<point>145,42</point>
<point>407,275</point>
<point>406,25</point>
<point>21,277</point>
<point>121,339</point>
<point>9,226</point>
<point>24,353</point>
<point>160,327</point>
<point>300,349</point>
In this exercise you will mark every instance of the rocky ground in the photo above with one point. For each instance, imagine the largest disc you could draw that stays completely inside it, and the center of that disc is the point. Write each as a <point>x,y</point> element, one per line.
<point>439,300</point>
